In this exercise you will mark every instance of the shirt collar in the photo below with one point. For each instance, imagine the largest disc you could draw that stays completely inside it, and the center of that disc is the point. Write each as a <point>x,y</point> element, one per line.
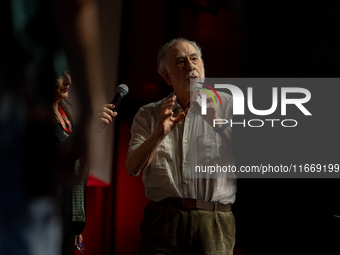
<point>177,108</point>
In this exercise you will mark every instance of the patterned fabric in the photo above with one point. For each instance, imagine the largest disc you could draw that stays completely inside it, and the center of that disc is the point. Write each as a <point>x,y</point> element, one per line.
<point>78,194</point>
<point>67,127</point>
<point>78,209</point>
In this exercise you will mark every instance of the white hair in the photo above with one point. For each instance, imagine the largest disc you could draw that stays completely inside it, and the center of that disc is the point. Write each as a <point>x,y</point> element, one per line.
<point>163,50</point>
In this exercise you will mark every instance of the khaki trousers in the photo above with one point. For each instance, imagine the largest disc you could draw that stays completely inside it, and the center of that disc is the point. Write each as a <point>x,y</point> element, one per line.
<point>176,230</point>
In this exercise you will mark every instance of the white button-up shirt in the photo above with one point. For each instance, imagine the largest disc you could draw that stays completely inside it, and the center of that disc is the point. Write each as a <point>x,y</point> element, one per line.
<point>193,142</point>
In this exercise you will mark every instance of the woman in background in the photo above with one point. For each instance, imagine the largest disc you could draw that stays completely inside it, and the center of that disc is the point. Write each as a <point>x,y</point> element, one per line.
<point>72,185</point>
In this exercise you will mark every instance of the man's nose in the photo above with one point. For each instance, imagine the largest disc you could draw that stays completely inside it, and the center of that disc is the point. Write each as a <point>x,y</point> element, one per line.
<point>191,66</point>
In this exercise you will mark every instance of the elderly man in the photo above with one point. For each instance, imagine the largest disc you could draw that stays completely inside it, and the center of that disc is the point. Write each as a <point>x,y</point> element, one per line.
<point>187,214</point>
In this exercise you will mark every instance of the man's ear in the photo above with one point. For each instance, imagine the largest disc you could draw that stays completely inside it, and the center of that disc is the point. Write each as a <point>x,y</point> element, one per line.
<point>166,77</point>
<point>202,62</point>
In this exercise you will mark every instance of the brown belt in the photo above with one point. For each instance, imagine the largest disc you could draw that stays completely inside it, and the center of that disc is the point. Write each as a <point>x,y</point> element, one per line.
<point>195,204</point>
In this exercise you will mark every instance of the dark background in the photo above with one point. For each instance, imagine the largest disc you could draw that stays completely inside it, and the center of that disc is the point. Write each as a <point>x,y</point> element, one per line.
<point>239,38</point>
<point>253,39</point>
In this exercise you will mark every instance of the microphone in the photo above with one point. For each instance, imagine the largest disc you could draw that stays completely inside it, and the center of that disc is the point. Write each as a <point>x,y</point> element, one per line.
<point>122,90</point>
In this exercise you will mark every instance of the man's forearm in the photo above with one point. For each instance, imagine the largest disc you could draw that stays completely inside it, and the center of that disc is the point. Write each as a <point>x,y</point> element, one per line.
<point>141,157</point>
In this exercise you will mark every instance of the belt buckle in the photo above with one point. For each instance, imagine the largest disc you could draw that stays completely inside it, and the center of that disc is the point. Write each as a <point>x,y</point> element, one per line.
<point>198,204</point>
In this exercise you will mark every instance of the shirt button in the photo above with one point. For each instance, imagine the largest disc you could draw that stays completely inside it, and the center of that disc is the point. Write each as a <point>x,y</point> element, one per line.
<point>186,141</point>
<point>184,162</point>
<point>186,182</point>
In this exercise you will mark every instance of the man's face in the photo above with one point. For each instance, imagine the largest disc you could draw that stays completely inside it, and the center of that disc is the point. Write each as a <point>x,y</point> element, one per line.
<point>183,63</point>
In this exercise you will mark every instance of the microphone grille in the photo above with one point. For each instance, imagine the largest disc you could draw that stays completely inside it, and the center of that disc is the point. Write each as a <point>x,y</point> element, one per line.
<point>123,89</point>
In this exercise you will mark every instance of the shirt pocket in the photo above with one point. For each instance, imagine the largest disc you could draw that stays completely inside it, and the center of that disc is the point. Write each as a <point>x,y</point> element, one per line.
<point>208,148</point>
